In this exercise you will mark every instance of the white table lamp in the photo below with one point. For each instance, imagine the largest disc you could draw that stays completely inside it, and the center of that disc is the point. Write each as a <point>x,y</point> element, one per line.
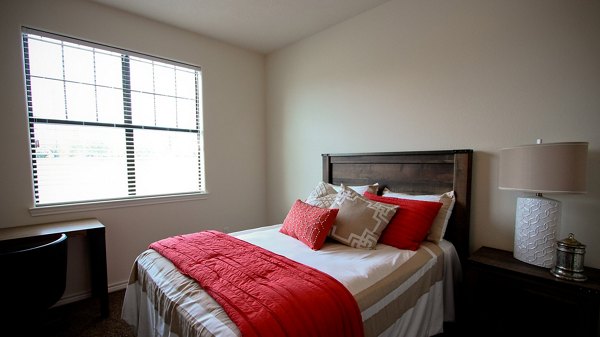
<point>536,169</point>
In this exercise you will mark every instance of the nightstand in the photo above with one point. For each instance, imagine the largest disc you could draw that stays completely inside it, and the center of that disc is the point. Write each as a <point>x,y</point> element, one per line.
<point>507,297</point>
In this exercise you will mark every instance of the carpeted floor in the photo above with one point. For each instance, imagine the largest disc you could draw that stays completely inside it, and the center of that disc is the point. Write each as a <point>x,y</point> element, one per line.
<point>82,319</point>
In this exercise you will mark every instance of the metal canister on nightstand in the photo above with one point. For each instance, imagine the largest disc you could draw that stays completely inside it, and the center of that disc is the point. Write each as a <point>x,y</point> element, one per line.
<point>569,259</point>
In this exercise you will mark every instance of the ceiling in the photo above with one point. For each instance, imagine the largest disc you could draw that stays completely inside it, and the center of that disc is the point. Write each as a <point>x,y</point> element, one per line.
<point>258,25</point>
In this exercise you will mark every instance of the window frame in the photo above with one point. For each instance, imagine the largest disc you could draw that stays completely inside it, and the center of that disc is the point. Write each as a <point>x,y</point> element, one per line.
<point>122,201</point>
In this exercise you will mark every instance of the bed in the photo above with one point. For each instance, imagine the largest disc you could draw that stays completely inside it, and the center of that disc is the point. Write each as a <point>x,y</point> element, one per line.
<point>398,292</point>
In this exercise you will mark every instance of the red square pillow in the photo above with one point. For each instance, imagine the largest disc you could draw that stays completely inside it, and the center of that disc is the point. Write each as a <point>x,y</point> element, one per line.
<point>410,224</point>
<point>309,224</point>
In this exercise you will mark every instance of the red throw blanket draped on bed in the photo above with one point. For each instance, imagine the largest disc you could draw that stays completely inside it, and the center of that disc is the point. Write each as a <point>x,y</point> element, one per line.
<point>264,294</point>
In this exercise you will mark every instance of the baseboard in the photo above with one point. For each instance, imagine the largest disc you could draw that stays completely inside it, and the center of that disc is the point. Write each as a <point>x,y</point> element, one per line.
<point>79,296</point>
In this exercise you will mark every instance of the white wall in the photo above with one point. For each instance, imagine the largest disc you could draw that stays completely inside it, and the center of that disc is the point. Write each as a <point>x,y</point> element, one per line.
<point>234,121</point>
<point>408,75</point>
<point>428,75</point>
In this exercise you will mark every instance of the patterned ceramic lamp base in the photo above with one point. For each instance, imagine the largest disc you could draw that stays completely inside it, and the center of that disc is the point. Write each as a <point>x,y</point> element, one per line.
<point>536,226</point>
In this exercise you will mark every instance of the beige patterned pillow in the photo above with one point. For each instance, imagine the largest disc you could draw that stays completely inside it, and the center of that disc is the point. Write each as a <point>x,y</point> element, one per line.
<point>360,221</point>
<point>324,194</point>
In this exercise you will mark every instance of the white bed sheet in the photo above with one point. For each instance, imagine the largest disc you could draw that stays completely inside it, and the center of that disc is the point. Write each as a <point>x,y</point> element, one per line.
<point>355,268</point>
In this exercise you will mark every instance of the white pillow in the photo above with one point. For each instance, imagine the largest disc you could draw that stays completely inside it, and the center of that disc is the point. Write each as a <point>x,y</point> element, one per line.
<point>359,189</point>
<point>438,228</point>
<point>324,193</point>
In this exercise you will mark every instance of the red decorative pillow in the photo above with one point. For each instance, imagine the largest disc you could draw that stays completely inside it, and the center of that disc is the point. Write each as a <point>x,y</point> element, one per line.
<point>309,224</point>
<point>410,224</point>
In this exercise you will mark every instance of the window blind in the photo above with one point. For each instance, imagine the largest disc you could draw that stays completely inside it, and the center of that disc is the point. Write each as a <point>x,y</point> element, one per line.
<point>106,123</point>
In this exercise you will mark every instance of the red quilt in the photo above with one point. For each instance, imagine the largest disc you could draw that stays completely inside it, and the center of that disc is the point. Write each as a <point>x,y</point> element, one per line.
<point>264,294</point>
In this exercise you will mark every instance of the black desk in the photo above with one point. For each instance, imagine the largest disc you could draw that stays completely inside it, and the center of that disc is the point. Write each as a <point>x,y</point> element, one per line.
<point>95,233</point>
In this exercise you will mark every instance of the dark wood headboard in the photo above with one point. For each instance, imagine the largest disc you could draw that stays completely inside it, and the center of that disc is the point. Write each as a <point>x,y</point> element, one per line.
<point>417,172</point>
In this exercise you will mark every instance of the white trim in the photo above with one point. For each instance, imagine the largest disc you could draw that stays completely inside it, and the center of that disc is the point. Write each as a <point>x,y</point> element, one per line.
<point>108,204</point>
<point>76,297</point>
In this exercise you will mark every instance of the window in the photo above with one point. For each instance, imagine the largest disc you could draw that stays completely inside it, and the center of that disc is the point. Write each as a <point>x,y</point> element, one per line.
<point>109,124</point>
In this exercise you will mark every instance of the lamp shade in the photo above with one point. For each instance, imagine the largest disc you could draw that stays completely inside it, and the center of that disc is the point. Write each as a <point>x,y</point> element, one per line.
<point>544,168</point>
